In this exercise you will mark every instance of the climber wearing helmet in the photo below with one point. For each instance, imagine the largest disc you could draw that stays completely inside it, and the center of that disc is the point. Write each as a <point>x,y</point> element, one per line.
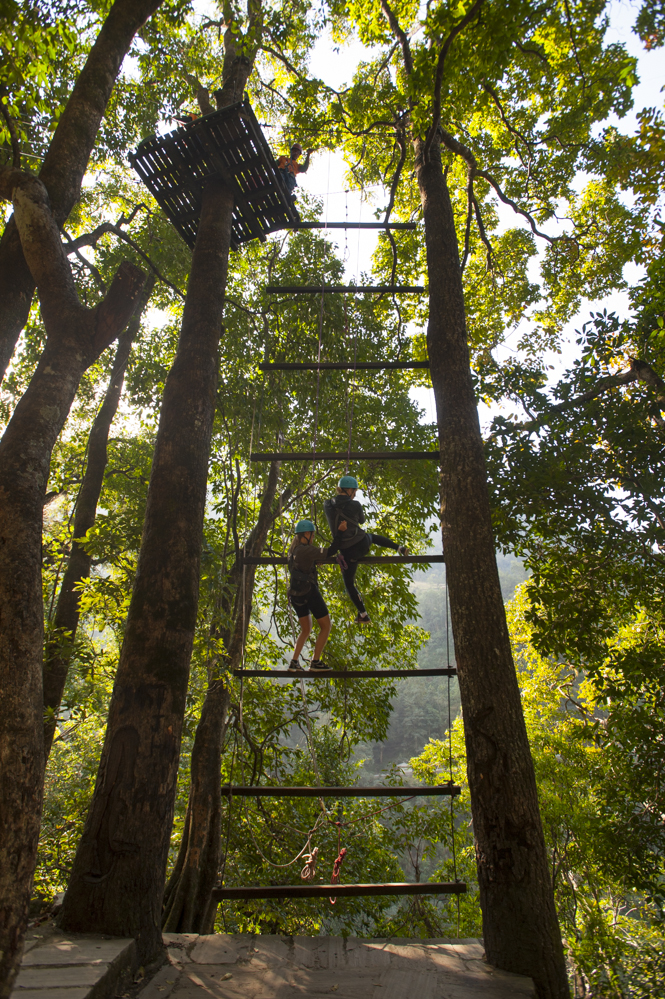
<point>304,593</point>
<point>354,542</point>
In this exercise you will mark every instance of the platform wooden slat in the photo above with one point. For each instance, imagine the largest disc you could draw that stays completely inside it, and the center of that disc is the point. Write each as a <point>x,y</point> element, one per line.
<point>266,791</point>
<point>344,289</point>
<point>343,455</point>
<point>342,365</point>
<point>368,560</point>
<point>341,891</point>
<point>348,674</point>
<point>227,143</point>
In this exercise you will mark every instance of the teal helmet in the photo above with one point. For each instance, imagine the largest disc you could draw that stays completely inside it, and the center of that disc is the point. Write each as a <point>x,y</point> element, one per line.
<point>304,525</point>
<point>348,482</point>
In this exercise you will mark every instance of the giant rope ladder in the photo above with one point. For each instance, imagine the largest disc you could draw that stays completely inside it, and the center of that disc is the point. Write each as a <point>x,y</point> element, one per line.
<point>229,143</point>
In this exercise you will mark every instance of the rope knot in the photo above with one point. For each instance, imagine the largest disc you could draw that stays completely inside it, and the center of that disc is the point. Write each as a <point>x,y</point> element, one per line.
<point>309,870</point>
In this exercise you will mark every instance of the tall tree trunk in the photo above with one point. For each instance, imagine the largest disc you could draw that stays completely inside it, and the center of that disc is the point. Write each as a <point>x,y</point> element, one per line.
<point>67,158</point>
<point>520,926</point>
<point>76,336</point>
<point>58,651</point>
<point>117,880</point>
<point>188,905</point>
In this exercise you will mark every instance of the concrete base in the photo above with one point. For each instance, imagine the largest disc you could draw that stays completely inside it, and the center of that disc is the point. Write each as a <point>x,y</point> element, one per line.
<point>271,967</point>
<point>73,966</point>
<point>222,966</point>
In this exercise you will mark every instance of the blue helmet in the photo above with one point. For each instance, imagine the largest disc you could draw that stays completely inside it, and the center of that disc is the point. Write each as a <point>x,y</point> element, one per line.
<point>348,482</point>
<point>304,525</point>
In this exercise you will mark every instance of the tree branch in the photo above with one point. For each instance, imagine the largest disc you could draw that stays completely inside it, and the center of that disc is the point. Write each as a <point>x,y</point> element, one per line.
<point>399,139</point>
<point>201,93</point>
<point>469,216</point>
<point>283,59</point>
<point>11,128</point>
<point>481,228</point>
<point>91,238</point>
<point>438,79</point>
<point>511,128</point>
<point>400,35</point>
<point>639,371</point>
<point>526,51</point>
<point>45,255</point>
<point>461,150</point>
<point>86,263</point>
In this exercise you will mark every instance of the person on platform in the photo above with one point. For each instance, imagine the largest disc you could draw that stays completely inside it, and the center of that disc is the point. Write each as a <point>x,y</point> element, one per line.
<point>288,168</point>
<point>304,593</point>
<point>354,542</point>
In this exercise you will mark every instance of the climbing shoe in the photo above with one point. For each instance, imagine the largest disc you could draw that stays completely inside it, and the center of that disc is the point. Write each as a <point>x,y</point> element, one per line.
<point>363,618</point>
<point>295,667</point>
<point>316,666</point>
<point>402,550</point>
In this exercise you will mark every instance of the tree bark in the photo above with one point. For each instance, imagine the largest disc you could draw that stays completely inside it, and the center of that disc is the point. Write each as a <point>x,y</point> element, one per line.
<point>67,158</point>
<point>188,905</point>
<point>58,651</point>
<point>520,925</point>
<point>117,879</point>
<point>76,336</point>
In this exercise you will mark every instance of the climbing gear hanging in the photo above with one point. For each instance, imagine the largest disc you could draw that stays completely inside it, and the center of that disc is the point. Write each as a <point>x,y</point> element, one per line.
<point>337,866</point>
<point>308,872</point>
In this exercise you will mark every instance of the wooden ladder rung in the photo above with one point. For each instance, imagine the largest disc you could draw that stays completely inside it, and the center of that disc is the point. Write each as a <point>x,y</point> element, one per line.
<point>341,891</point>
<point>268,791</point>
<point>344,455</point>
<point>348,674</point>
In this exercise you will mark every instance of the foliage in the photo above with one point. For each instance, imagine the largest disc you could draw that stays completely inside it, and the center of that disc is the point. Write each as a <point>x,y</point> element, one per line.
<point>577,481</point>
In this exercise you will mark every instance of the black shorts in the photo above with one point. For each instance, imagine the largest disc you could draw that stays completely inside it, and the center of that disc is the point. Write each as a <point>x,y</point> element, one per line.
<point>312,603</point>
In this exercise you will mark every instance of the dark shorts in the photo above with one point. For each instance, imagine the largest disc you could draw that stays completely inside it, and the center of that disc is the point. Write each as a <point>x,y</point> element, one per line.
<point>313,603</point>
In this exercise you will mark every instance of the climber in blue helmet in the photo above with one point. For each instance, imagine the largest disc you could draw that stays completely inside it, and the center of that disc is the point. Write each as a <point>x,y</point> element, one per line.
<point>354,542</point>
<point>304,593</point>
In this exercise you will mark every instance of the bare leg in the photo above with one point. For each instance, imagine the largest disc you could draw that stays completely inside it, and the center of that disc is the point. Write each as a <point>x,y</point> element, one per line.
<point>325,625</point>
<point>305,631</point>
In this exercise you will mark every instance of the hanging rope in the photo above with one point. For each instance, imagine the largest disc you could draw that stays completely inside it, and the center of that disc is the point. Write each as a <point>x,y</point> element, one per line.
<point>353,383</point>
<point>337,866</point>
<point>308,872</point>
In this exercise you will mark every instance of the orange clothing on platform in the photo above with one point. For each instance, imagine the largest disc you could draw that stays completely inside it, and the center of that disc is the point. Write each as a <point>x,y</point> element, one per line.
<point>285,163</point>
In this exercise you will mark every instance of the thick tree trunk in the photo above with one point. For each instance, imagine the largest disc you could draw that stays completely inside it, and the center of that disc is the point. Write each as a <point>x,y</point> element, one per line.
<point>188,906</point>
<point>58,651</point>
<point>67,159</point>
<point>117,880</point>
<point>76,337</point>
<point>520,926</point>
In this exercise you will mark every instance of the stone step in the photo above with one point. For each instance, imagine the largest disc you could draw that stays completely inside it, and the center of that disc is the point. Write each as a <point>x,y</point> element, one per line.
<point>73,966</point>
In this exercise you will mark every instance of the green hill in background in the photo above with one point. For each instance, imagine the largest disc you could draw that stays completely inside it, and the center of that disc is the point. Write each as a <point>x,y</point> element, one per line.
<point>421,706</point>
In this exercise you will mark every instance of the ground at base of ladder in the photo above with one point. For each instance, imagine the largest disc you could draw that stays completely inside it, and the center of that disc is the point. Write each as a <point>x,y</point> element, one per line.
<point>220,966</point>
<point>224,966</point>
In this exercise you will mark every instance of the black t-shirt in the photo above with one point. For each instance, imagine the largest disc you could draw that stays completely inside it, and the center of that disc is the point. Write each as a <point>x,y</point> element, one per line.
<point>344,508</point>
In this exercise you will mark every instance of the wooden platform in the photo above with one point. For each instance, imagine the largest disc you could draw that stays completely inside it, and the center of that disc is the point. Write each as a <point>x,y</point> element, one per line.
<point>227,143</point>
<point>225,966</point>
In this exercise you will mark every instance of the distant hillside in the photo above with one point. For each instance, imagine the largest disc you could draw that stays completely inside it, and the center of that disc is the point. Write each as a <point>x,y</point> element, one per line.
<point>421,706</point>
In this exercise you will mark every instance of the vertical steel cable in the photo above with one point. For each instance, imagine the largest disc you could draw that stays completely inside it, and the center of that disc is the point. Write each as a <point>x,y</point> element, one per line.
<point>450,747</point>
